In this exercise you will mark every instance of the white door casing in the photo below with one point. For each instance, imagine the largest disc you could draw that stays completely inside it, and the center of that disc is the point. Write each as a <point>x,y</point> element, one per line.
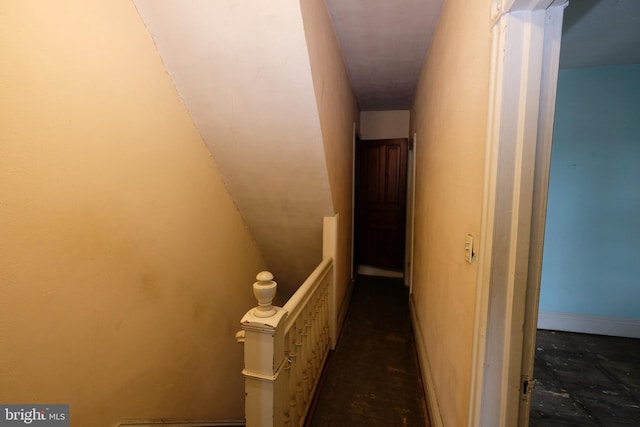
<point>411,213</point>
<point>526,39</point>
<point>550,65</point>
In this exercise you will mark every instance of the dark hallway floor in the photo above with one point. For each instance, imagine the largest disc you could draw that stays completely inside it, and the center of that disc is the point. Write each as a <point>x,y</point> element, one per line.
<point>585,380</point>
<point>372,378</point>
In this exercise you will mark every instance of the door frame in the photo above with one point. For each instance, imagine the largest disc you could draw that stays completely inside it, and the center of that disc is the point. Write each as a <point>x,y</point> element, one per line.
<point>358,148</point>
<point>526,38</point>
<point>410,212</point>
<point>354,142</point>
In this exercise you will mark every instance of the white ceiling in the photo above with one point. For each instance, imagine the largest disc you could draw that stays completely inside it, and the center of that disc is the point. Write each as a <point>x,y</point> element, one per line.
<point>384,42</point>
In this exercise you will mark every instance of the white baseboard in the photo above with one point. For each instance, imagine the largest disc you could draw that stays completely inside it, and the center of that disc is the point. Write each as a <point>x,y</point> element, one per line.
<point>368,270</point>
<point>435,418</point>
<point>599,325</point>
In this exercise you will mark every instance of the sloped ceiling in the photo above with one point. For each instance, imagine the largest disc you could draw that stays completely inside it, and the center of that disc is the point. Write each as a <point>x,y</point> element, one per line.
<point>242,69</point>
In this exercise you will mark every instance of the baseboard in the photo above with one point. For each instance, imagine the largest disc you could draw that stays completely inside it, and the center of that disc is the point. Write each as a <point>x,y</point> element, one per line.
<point>179,423</point>
<point>599,325</point>
<point>435,418</point>
<point>368,270</point>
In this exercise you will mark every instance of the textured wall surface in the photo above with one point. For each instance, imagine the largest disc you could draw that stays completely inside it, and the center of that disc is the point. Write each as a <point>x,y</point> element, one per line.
<point>593,220</point>
<point>243,71</point>
<point>449,116</point>
<point>338,111</point>
<point>124,264</point>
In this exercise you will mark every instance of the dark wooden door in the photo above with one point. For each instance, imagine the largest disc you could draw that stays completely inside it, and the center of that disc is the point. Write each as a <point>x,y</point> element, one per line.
<point>381,189</point>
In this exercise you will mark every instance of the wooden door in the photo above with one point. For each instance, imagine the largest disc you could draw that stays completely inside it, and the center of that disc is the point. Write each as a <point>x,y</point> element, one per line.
<point>381,189</point>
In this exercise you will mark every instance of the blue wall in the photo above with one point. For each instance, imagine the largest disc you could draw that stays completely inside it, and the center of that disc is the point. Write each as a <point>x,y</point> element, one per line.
<point>591,261</point>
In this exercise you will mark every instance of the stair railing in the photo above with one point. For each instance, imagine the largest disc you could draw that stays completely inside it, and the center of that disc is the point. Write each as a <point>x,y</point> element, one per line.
<point>285,348</point>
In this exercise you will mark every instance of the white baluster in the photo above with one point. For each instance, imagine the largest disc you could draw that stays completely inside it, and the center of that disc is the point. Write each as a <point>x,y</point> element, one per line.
<point>293,411</point>
<point>286,347</point>
<point>293,355</point>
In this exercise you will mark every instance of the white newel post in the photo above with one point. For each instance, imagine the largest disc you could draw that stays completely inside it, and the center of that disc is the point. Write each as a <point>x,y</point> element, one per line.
<point>286,347</point>
<point>263,355</point>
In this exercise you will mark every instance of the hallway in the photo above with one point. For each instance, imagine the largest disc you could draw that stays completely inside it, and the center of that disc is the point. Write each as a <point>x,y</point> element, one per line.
<point>372,378</point>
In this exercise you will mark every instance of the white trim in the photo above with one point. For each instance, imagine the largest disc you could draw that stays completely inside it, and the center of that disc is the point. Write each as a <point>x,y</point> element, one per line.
<point>587,324</point>
<point>519,33</point>
<point>502,7</point>
<point>367,270</point>
<point>435,418</point>
<point>548,85</point>
<point>520,37</point>
<point>353,201</point>
<point>412,214</point>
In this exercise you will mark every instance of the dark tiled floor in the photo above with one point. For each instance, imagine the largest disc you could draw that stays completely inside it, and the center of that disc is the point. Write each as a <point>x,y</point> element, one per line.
<point>585,380</point>
<point>372,378</point>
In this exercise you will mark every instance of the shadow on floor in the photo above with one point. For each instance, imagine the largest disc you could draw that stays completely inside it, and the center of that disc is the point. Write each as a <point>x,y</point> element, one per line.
<point>585,380</point>
<point>372,378</point>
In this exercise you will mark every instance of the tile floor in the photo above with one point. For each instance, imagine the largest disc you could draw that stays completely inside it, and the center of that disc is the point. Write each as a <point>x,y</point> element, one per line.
<point>585,380</point>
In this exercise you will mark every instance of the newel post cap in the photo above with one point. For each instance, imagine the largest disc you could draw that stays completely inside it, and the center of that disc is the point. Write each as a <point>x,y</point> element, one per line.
<point>264,290</point>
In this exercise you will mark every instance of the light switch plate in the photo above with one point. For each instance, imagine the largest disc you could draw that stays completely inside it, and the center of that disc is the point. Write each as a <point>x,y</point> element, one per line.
<point>469,253</point>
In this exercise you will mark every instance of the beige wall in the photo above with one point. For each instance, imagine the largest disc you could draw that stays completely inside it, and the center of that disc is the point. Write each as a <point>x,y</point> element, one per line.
<point>384,124</point>
<point>449,116</point>
<point>124,265</point>
<point>338,111</point>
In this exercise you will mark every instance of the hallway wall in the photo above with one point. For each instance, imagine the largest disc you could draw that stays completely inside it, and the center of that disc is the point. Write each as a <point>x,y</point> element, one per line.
<point>590,272</point>
<point>384,124</point>
<point>337,111</point>
<point>125,266</point>
<point>449,116</point>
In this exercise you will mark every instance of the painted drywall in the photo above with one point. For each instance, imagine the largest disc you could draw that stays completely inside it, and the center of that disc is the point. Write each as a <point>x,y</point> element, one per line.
<point>384,45</point>
<point>449,116</point>
<point>242,69</point>
<point>338,111</point>
<point>384,124</point>
<point>593,216</point>
<point>124,265</point>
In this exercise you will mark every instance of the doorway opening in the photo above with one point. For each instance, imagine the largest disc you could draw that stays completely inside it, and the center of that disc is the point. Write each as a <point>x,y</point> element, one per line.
<point>380,206</point>
<point>585,372</point>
